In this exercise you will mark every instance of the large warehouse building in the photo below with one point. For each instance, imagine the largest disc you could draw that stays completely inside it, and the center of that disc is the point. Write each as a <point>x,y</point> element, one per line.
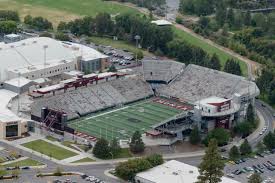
<point>43,57</point>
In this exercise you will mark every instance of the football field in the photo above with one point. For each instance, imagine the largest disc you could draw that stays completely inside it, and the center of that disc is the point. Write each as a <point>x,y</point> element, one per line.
<point>123,122</point>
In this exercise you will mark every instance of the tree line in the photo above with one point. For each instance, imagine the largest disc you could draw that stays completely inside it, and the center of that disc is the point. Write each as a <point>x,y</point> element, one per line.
<point>208,7</point>
<point>8,22</point>
<point>160,40</point>
<point>266,83</point>
<point>128,170</point>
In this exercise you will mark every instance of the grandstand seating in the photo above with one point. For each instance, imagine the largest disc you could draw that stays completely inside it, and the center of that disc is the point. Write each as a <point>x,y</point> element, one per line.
<point>95,97</point>
<point>161,70</point>
<point>196,83</point>
<point>132,88</point>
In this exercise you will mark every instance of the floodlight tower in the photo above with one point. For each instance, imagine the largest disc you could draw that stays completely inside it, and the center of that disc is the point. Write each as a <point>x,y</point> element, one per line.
<point>45,59</point>
<point>137,38</point>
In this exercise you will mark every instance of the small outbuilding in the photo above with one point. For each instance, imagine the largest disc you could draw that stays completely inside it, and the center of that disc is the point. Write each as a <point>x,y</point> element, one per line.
<point>18,85</point>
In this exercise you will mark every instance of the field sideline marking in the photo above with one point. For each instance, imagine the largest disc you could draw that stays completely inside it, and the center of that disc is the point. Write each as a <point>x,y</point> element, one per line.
<point>106,113</point>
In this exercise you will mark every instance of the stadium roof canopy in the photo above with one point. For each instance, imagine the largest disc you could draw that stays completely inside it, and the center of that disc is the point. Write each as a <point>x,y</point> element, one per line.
<point>29,54</point>
<point>174,171</point>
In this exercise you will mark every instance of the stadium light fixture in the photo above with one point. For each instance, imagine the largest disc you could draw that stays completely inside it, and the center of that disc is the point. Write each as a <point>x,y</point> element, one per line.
<point>137,38</point>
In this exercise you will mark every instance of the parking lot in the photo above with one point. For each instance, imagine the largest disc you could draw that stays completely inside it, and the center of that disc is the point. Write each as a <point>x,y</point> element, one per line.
<point>6,155</point>
<point>120,58</point>
<point>264,164</point>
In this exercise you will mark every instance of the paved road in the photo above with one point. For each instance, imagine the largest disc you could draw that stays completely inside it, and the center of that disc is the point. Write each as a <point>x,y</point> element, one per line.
<point>267,112</point>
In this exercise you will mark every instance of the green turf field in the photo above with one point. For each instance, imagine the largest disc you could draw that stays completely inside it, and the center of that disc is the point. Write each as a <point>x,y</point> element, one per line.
<point>122,123</point>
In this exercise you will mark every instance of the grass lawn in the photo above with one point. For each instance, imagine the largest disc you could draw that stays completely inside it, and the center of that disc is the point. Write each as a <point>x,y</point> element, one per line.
<point>180,34</point>
<point>63,10</point>
<point>49,149</point>
<point>84,160</point>
<point>26,162</point>
<point>70,145</point>
<point>125,153</point>
<point>117,44</point>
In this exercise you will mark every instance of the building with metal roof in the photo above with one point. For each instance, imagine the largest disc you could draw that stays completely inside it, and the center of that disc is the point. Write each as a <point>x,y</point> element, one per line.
<point>175,172</point>
<point>42,57</point>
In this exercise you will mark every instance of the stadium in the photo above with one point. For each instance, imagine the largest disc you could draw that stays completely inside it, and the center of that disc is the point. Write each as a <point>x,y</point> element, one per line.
<point>163,99</point>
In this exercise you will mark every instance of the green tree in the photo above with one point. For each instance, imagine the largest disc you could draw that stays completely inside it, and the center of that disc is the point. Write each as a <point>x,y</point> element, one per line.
<point>155,159</point>
<point>62,37</point>
<point>234,153</point>
<point>233,67</point>
<point>215,62</point>
<point>102,149</point>
<point>250,116</point>
<point>260,147</point>
<point>195,136</point>
<point>211,167</point>
<point>8,27</point>
<point>139,55</point>
<point>28,19</point>
<point>7,15</point>
<point>115,147</point>
<point>255,178</point>
<point>62,26</point>
<point>136,144</point>
<point>103,23</point>
<point>264,80</point>
<point>247,19</point>
<point>269,140</point>
<point>128,170</point>
<point>230,17</point>
<point>179,20</point>
<point>245,148</point>
<point>244,128</point>
<point>220,14</point>
<point>112,68</point>
<point>221,135</point>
